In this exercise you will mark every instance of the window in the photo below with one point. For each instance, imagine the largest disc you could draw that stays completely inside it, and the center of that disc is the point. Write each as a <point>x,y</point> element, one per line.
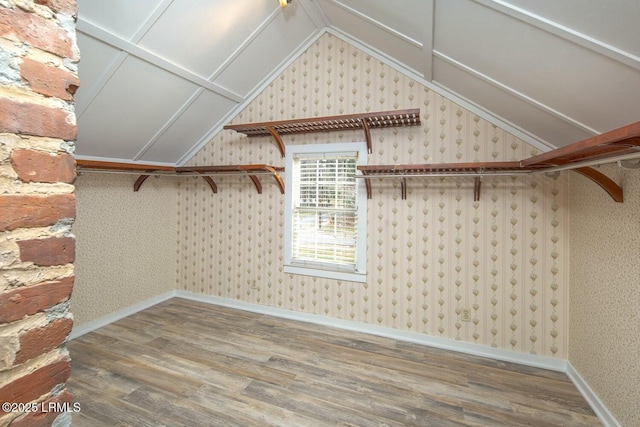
<point>325,211</point>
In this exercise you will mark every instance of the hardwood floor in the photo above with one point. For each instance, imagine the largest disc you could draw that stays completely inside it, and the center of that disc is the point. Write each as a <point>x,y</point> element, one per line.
<point>183,363</point>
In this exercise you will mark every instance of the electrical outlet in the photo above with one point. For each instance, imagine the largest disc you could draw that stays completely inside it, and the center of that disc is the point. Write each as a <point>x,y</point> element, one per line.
<point>465,315</point>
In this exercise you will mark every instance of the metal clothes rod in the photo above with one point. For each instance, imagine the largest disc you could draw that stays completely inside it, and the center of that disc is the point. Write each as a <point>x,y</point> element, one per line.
<point>187,174</point>
<point>587,163</point>
<point>550,169</point>
<point>447,174</point>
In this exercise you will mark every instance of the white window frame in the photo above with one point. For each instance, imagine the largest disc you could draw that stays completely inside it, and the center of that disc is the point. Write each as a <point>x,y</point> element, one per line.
<point>355,273</point>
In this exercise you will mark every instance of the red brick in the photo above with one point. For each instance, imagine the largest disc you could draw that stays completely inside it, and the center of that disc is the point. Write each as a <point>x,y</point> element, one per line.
<point>38,166</point>
<point>45,34</point>
<point>29,300</point>
<point>31,386</point>
<point>35,342</point>
<point>66,7</point>
<point>18,211</point>
<point>35,119</point>
<point>47,252</point>
<point>42,418</point>
<point>49,81</point>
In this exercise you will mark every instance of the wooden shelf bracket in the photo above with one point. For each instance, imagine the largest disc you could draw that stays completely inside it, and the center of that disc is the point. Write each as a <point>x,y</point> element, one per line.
<point>277,138</point>
<point>477,182</point>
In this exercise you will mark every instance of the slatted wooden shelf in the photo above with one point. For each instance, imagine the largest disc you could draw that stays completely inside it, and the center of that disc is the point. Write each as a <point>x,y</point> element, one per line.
<point>365,121</point>
<point>605,148</point>
<point>206,172</point>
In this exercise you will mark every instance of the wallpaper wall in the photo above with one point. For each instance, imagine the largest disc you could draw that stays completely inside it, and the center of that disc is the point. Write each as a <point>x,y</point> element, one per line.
<point>605,297</point>
<point>429,256</point>
<point>125,243</point>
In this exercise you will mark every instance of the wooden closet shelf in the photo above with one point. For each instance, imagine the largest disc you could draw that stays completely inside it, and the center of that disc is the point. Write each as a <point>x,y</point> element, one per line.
<point>476,170</point>
<point>365,121</point>
<point>439,169</point>
<point>616,145</point>
<point>206,172</point>
<point>617,142</point>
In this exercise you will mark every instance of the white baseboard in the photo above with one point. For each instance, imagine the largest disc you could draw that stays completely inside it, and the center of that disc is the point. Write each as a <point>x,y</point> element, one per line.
<point>413,337</point>
<point>607,419</point>
<point>560,365</point>
<point>85,328</point>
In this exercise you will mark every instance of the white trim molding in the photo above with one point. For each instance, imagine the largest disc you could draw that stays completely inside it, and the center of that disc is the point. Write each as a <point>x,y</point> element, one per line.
<point>85,328</point>
<point>412,337</point>
<point>604,415</point>
<point>356,272</point>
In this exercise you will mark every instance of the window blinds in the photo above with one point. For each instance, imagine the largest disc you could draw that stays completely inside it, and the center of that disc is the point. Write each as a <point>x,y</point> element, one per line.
<point>325,210</point>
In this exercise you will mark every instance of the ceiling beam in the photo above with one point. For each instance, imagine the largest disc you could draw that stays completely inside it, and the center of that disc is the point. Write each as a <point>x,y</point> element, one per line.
<point>96,88</point>
<point>151,20</point>
<point>131,48</point>
<point>427,43</point>
<point>315,13</point>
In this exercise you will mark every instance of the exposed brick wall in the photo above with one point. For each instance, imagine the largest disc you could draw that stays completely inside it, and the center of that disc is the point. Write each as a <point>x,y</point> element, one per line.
<point>37,166</point>
<point>49,81</point>
<point>50,251</point>
<point>20,301</point>
<point>38,78</point>
<point>40,210</point>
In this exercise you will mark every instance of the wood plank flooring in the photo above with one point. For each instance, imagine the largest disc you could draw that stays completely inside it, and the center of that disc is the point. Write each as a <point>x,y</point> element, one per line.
<point>183,363</point>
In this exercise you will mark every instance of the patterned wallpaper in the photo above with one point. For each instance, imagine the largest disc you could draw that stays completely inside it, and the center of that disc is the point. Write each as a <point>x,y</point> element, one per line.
<point>125,243</point>
<point>429,256</point>
<point>605,297</point>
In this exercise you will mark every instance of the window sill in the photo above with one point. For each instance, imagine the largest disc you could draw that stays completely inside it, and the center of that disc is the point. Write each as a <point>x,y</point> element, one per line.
<point>348,276</point>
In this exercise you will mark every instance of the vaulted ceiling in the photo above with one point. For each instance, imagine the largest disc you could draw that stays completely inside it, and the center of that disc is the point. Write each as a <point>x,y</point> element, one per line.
<point>159,78</point>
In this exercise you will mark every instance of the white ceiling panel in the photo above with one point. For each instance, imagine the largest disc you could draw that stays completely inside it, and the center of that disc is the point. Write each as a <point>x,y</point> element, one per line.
<point>407,17</point>
<point>551,129</point>
<point>206,111</point>
<point>92,72</point>
<point>278,41</point>
<point>136,102</point>
<point>608,21</point>
<point>159,77</point>
<point>392,42</point>
<point>550,70</point>
<point>200,35</point>
<point>121,17</point>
